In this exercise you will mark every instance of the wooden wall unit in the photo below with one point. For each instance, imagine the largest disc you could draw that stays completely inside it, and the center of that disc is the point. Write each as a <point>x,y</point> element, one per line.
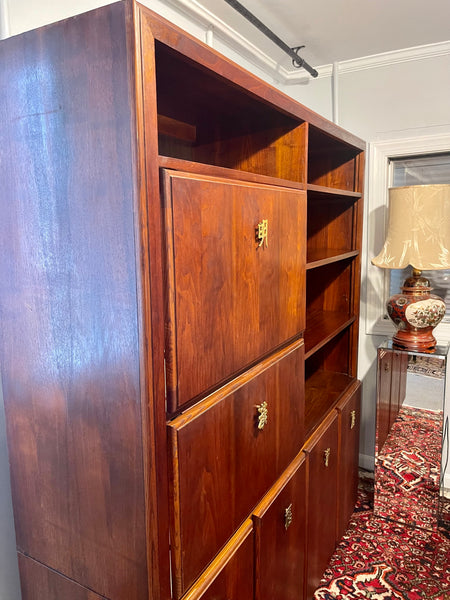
<point>179,324</point>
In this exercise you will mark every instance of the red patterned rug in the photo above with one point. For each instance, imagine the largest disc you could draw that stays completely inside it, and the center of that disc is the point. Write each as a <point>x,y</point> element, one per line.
<point>408,468</point>
<point>379,560</point>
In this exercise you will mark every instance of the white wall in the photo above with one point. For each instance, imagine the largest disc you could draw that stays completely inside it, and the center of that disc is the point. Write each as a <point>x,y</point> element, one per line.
<point>389,102</point>
<point>402,96</point>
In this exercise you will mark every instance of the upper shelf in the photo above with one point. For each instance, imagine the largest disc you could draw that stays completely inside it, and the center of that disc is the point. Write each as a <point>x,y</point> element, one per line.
<point>210,111</point>
<point>319,257</point>
<point>220,70</point>
<point>321,190</point>
<point>323,326</point>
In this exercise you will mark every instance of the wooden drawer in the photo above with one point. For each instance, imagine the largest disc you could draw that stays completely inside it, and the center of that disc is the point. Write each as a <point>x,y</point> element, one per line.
<point>231,574</point>
<point>280,536</point>
<point>232,298</point>
<point>349,415</point>
<point>222,463</point>
<point>322,450</point>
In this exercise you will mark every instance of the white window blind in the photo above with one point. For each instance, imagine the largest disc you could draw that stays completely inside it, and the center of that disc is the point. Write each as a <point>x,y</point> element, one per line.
<point>422,170</point>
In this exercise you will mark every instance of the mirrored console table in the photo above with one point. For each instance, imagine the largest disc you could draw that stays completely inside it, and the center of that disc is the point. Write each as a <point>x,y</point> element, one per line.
<point>411,436</point>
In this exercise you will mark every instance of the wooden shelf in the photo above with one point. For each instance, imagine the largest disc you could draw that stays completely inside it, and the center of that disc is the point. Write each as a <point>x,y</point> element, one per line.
<point>178,164</point>
<point>322,391</point>
<point>320,189</point>
<point>325,256</point>
<point>321,327</point>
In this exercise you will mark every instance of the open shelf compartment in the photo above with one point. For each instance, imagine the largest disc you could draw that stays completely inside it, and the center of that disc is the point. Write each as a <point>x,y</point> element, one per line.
<point>203,117</point>
<point>327,377</point>
<point>331,226</point>
<point>329,302</point>
<point>333,163</point>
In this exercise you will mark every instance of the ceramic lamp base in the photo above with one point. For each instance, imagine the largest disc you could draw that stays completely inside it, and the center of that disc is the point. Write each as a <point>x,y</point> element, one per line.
<point>415,313</point>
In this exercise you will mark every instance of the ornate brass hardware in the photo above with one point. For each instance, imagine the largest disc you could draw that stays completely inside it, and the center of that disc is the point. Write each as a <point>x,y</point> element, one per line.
<point>262,233</point>
<point>352,419</point>
<point>326,456</point>
<point>288,516</point>
<point>263,414</point>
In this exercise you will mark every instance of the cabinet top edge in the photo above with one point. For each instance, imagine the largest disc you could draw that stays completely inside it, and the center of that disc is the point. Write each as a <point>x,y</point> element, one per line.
<point>179,40</point>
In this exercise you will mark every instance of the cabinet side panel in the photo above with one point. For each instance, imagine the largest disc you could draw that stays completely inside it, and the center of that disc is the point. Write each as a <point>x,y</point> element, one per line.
<point>41,583</point>
<point>69,348</point>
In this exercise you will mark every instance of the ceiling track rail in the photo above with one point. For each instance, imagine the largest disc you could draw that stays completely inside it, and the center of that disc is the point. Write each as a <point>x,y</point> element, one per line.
<point>297,61</point>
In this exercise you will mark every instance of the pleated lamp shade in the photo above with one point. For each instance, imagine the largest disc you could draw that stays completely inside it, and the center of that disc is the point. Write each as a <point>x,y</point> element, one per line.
<point>419,228</point>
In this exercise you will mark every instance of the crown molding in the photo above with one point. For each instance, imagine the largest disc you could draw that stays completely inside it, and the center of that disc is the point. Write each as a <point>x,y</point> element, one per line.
<point>215,27</point>
<point>393,57</point>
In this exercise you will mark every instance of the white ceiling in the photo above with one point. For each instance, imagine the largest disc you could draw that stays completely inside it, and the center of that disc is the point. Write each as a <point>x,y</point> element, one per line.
<point>339,30</point>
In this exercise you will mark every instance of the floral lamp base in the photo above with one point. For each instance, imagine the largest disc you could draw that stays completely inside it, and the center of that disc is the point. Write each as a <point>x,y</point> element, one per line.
<point>415,313</point>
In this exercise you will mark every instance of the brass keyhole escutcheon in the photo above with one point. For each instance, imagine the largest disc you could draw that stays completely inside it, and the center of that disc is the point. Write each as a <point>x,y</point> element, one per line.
<point>288,516</point>
<point>352,419</point>
<point>263,414</point>
<point>326,456</point>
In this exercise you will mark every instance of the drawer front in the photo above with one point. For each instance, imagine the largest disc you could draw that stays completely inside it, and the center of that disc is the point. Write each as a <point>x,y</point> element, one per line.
<point>231,575</point>
<point>349,424</point>
<point>322,450</point>
<point>235,264</point>
<point>225,457</point>
<point>280,537</point>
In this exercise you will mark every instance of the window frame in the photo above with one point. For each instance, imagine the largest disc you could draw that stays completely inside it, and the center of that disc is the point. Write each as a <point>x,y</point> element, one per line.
<point>380,155</point>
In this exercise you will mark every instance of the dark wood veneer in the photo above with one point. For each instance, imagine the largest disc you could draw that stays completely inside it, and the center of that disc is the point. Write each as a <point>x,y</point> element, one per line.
<point>349,411</point>
<point>69,345</point>
<point>217,449</point>
<point>323,327</point>
<point>230,575</point>
<point>322,506</point>
<point>41,583</point>
<point>281,544</point>
<point>216,267</point>
<point>138,163</point>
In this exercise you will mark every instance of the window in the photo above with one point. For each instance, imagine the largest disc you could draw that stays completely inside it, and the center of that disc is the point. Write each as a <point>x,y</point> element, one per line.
<point>421,170</point>
<point>394,163</point>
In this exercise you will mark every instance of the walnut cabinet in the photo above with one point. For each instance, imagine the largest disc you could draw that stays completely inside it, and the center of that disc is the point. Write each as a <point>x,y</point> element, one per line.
<point>179,314</point>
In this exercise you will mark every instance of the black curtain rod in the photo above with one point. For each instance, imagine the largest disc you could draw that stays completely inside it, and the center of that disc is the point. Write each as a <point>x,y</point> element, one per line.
<point>296,59</point>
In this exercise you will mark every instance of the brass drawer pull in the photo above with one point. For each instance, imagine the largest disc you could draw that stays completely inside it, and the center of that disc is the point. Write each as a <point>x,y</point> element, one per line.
<point>262,233</point>
<point>263,414</point>
<point>288,516</point>
<point>326,456</point>
<point>352,419</point>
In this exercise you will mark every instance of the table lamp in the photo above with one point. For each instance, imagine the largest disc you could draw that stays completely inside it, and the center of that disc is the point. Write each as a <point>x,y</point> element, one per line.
<point>418,235</point>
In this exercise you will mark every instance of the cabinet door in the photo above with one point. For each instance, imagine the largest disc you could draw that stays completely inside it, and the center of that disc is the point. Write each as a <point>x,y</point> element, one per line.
<point>349,424</point>
<point>395,387</point>
<point>231,575</point>
<point>383,397</point>
<point>226,455</point>
<point>322,450</point>
<point>280,537</point>
<point>235,262</point>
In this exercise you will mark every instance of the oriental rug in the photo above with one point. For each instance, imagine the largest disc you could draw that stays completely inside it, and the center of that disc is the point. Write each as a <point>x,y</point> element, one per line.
<point>378,559</point>
<point>408,469</point>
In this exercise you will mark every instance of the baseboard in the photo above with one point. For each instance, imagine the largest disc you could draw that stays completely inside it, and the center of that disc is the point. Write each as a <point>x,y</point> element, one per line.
<point>366,462</point>
<point>447,485</point>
